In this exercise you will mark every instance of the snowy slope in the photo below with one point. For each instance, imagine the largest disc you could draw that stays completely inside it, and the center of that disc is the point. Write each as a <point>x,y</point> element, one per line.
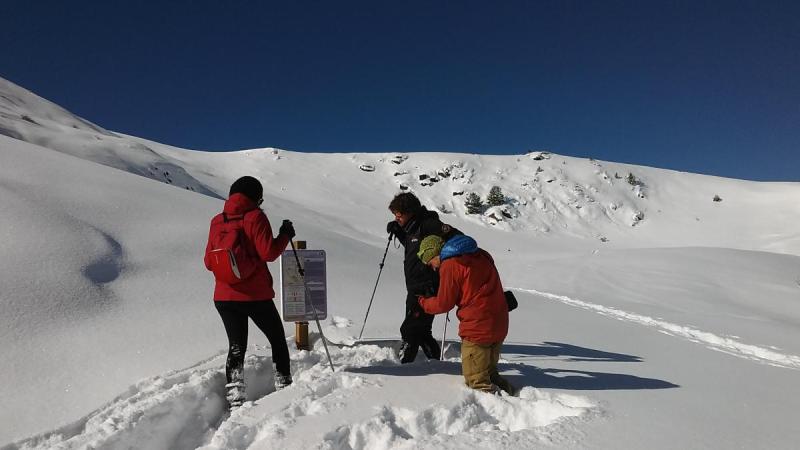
<point>546,194</point>
<point>28,117</point>
<point>680,331</point>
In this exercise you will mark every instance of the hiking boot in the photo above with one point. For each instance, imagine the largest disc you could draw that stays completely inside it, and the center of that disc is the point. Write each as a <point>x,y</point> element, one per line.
<point>282,381</point>
<point>430,347</point>
<point>504,385</point>
<point>407,352</point>
<point>511,390</point>
<point>235,394</point>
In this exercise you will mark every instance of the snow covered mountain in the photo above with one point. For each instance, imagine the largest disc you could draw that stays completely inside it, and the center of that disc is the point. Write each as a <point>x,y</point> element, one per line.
<point>544,193</point>
<point>650,315</point>
<point>28,117</point>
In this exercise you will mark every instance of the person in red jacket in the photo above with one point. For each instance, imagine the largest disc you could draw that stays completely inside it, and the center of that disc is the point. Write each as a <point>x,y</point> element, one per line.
<point>468,279</point>
<point>252,297</point>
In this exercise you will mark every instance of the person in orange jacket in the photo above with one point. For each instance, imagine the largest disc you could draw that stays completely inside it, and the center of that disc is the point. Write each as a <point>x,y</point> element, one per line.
<point>468,279</point>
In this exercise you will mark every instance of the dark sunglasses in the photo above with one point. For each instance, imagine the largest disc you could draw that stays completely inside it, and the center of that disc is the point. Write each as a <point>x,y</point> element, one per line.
<point>259,202</point>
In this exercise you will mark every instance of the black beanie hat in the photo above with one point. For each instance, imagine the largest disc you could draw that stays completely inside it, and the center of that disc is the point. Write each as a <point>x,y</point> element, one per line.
<point>248,186</point>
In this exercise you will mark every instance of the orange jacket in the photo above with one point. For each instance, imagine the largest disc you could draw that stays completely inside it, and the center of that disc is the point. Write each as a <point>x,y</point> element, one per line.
<point>264,247</point>
<point>471,282</point>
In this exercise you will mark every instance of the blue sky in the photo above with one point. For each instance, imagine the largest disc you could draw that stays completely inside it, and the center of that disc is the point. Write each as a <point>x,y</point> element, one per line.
<point>708,87</point>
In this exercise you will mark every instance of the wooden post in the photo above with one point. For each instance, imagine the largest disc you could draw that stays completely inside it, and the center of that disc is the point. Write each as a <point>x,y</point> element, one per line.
<point>301,336</point>
<point>301,328</point>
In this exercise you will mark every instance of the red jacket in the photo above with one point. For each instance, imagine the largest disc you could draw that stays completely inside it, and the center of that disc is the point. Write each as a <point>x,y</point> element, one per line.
<point>471,282</point>
<point>264,247</point>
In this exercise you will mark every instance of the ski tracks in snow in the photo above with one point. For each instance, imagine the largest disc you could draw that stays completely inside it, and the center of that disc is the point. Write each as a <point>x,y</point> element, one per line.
<point>725,344</point>
<point>347,409</point>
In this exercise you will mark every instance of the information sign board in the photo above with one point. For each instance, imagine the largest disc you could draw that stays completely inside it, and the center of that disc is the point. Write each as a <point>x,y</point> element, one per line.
<point>295,306</point>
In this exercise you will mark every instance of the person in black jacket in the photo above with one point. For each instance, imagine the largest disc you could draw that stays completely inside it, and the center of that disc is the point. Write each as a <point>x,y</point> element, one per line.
<point>413,222</point>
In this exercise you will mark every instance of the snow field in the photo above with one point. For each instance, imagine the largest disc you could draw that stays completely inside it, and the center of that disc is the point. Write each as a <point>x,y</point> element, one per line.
<point>474,417</point>
<point>726,344</point>
<point>371,371</point>
<point>187,409</point>
<point>103,285</point>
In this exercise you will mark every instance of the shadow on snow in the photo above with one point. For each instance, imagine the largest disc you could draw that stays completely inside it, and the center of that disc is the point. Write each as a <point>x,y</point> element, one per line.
<point>559,349</point>
<point>523,374</point>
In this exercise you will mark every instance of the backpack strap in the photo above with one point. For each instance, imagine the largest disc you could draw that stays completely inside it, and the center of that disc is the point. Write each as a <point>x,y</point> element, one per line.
<point>250,249</point>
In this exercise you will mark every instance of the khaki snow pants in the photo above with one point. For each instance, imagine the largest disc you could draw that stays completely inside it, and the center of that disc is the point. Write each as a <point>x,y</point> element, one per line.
<point>479,366</point>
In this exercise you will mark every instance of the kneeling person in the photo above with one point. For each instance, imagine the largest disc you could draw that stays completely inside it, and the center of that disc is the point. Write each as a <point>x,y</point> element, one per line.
<point>468,279</point>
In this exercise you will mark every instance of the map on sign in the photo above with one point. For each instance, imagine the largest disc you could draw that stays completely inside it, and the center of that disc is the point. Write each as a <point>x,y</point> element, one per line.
<point>296,297</point>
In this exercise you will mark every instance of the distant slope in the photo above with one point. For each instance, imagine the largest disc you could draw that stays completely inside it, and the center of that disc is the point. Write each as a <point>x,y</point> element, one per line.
<point>555,196</point>
<point>618,205</point>
<point>30,118</point>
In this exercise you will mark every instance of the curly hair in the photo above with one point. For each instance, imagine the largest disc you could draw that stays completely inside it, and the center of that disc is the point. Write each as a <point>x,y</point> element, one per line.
<point>405,203</point>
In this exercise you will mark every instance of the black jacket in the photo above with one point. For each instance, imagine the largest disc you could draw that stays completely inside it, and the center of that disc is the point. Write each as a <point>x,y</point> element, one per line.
<point>421,279</point>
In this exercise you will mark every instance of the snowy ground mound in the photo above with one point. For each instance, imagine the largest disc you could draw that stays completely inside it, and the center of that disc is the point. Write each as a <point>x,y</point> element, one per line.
<point>187,409</point>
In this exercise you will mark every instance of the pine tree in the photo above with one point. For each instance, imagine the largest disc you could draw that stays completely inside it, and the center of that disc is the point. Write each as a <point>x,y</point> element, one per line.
<point>473,203</point>
<point>495,197</point>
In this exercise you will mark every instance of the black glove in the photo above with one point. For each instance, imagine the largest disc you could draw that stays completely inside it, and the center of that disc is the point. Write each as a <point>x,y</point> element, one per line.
<point>394,228</point>
<point>287,229</point>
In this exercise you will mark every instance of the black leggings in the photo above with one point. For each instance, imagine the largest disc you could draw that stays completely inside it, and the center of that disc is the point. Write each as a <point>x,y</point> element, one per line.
<point>265,316</point>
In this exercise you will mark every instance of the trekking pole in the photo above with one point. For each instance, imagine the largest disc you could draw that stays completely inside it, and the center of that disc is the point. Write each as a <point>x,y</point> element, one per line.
<point>376,286</point>
<point>444,335</point>
<point>313,307</point>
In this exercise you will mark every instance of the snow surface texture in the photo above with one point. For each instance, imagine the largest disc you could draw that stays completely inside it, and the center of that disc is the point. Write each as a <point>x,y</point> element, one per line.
<point>187,409</point>
<point>111,340</point>
<point>728,344</point>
